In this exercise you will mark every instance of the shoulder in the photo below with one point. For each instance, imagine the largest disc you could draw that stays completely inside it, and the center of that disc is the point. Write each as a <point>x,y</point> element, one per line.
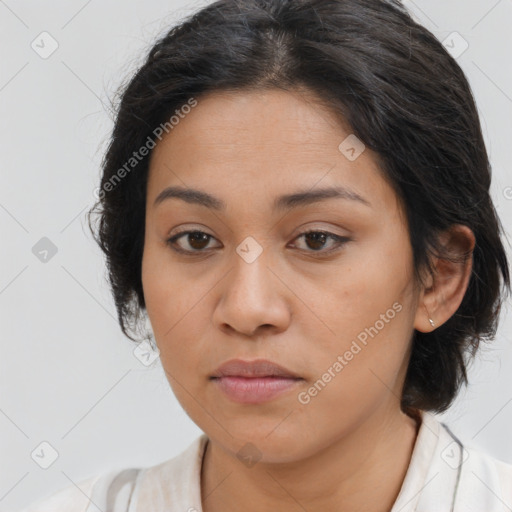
<point>89,493</point>
<point>175,484</point>
<point>169,486</point>
<point>484,481</point>
<point>504,471</point>
<point>450,474</point>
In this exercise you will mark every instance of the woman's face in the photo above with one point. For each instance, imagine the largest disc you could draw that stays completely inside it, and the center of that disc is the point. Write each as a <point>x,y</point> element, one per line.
<point>338,314</point>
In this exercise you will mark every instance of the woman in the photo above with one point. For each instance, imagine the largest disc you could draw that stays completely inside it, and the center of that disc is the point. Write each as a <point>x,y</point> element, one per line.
<point>297,195</point>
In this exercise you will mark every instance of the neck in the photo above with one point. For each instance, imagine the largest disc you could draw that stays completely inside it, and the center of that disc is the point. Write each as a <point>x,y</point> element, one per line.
<point>362,471</point>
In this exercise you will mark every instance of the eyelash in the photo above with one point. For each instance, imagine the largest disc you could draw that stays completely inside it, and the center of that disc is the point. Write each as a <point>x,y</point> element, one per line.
<point>340,242</point>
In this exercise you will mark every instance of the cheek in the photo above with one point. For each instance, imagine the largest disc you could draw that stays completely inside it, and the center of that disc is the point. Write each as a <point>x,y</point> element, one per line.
<point>168,300</point>
<point>359,371</point>
<point>368,307</point>
<point>167,291</point>
<point>355,297</point>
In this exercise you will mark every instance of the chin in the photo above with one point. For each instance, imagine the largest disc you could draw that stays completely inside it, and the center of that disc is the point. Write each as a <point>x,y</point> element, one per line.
<point>267,441</point>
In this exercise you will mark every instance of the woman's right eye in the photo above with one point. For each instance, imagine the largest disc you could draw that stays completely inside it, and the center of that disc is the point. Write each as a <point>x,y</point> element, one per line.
<point>197,240</point>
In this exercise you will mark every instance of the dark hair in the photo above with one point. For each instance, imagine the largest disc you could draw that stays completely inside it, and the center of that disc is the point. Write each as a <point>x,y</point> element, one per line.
<point>400,92</point>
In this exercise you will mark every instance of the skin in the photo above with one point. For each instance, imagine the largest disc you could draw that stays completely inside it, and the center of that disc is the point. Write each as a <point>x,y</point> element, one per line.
<point>349,447</point>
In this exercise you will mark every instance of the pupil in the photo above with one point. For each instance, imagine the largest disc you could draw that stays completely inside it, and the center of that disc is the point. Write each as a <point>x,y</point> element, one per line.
<point>315,237</point>
<point>197,236</point>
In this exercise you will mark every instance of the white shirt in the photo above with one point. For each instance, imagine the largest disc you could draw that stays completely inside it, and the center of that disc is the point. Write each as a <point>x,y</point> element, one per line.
<point>443,476</point>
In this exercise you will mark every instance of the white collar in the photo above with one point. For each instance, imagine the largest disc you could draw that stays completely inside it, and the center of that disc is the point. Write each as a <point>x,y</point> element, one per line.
<point>443,476</point>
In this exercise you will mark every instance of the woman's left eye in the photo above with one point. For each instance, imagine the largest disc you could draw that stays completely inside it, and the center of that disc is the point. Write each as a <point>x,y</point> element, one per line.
<point>315,240</point>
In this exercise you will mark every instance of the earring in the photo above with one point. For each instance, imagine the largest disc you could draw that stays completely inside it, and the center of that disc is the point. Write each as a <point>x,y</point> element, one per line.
<point>430,319</point>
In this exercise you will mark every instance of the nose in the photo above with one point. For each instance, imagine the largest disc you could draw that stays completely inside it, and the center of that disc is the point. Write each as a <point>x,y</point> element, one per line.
<point>253,298</point>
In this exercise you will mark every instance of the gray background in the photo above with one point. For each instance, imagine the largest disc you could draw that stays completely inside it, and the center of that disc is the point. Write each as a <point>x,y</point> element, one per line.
<point>68,376</point>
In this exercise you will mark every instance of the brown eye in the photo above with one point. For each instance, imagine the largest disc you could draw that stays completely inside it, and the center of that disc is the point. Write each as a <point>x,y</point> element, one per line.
<point>316,241</point>
<point>197,241</point>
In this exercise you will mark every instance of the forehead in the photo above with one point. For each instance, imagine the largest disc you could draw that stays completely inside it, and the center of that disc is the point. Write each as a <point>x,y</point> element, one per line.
<point>262,142</point>
<point>225,123</point>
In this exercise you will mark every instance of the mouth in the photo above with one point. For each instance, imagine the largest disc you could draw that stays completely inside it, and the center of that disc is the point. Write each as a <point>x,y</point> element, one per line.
<point>253,382</point>
<point>253,369</point>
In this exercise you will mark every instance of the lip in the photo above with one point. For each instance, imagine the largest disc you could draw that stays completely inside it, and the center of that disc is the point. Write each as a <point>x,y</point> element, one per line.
<point>254,382</point>
<point>255,368</point>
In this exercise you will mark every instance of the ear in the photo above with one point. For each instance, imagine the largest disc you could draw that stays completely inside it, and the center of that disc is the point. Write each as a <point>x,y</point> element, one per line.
<point>443,292</point>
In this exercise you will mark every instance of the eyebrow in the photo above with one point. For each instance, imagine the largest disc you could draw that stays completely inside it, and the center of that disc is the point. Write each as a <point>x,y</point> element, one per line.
<point>284,202</point>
